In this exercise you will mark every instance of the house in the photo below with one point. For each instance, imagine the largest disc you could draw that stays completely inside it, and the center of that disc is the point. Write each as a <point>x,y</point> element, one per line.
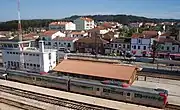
<point>135,25</point>
<point>64,43</point>
<point>48,36</point>
<point>141,43</point>
<point>77,34</point>
<point>84,23</point>
<point>120,45</point>
<point>99,30</point>
<point>62,26</point>
<point>90,45</point>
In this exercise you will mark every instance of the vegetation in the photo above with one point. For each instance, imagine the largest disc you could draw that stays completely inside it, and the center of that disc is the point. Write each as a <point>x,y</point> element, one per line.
<point>38,23</point>
<point>155,48</point>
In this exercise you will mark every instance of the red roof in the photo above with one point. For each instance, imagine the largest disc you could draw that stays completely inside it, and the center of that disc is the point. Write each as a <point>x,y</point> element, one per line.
<point>145,34</point>
<point>150,33</point>
<point>97,69</point>
<point>170,40</point>
<point>137,35</point>
<point>86,19</point>
<point>49,33</point>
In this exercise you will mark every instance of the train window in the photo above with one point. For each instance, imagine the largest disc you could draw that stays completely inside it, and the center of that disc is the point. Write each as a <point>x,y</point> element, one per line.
<point>128,94</point>
<point>138,95</point>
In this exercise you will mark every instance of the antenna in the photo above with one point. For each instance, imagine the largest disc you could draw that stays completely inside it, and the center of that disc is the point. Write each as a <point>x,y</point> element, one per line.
<point>19,21</point>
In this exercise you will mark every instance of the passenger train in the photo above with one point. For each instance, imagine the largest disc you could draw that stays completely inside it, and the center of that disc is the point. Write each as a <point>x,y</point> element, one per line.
<point>121,92</point>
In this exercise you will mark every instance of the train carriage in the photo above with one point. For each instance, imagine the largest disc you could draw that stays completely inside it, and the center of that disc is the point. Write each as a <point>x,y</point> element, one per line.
<point>138,95</point>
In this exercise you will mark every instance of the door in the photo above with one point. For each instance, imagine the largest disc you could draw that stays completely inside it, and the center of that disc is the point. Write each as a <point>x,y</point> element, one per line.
<point>98,91</point>
<point>129,96</point>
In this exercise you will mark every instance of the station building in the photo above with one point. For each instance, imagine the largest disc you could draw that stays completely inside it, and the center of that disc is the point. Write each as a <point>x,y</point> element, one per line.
<point>96,70</point>
<point>21,55</point>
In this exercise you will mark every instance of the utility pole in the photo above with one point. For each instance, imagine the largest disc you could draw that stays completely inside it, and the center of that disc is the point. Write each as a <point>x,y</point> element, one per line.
<point>95,44</point>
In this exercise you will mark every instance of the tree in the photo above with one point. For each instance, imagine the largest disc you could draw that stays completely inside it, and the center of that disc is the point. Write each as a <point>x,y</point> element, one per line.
<point>155,49</point>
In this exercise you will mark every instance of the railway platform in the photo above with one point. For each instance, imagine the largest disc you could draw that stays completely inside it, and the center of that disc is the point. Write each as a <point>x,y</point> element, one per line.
<point>76,97</point>
<point>172,86</point>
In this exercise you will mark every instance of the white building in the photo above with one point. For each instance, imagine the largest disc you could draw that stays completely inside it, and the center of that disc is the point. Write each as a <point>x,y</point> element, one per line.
<point>19,55</point>
<point>84,23</point>
<point>141,45</point>
<point>64,43</point>
<point>48,36</point>
<point>77,34</point>
<point>62,26</point>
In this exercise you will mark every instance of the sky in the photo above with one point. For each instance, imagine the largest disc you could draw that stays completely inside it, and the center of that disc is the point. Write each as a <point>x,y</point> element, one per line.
<point>57,9</point>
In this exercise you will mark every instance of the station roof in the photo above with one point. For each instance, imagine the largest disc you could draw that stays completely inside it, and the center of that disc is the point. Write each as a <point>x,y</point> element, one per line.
<point>96,69</point>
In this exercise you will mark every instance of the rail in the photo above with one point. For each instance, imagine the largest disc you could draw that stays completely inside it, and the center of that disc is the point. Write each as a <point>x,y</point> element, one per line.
<point>19,104</point>
<point>172,107</point>
<point>52,100</point>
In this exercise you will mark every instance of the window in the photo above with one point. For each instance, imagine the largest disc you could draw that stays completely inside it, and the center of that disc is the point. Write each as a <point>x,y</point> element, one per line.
<point>128,46</point>
<point>134,47</point>
<point>69,45</point>
<point>30,54</point>
<point>64,43</point>
<point>13,52</point>
<point>30,64</point>
<point>16,52</point>
<point>7,52</point>
<point>167,48</point>
<point>144,47</point>
<point>34,65</point>
<point>128,94</point>
<point>124,45</point>
<point>97,89</point>
<point>38,65</point>
<point>27,64</point>
<point>49,56</point>
<point>49,43</point>
<point>37,54</point>
<point>10,52</point>
<point>162,48</point>
<point>173,48</point>
<point>115,45</point>
<point>138,47</point>
<point>139,41</point>
<point>111,45</point>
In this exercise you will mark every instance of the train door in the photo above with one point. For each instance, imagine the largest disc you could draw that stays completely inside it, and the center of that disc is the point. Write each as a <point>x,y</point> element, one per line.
<point>98,91</point>
<point>129,96</point>
<point>34,80</point>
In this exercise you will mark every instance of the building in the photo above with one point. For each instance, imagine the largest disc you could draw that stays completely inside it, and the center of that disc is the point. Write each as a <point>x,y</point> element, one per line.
<point>97,30</point>
<point>120,45</point>
<point>48,36</point>
<point>90,45</point>
<point>21,56</point>
<point>84,23</point>
<point>62,26</point>
<point>141,43</point>
<point>64,43</point>
<point>97,70</point>
<point>77,34</point>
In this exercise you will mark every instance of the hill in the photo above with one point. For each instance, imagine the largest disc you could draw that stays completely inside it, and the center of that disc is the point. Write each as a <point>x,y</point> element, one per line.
<point>124,19</point>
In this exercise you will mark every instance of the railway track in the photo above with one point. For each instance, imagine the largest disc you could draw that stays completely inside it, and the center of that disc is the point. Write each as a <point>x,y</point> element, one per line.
<point>157,75</point>
<point>52,100</point>
<point>18,104</point>
<point>172,107</point>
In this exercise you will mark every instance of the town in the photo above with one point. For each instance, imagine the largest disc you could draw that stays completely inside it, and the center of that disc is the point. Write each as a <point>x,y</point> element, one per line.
<point>90,63</point>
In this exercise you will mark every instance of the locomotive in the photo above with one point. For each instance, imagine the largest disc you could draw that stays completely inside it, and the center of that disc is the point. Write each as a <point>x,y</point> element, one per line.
<point>104,89</point>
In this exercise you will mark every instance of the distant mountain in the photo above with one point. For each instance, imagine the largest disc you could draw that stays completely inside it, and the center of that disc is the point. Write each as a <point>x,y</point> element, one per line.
<point>123,19</point>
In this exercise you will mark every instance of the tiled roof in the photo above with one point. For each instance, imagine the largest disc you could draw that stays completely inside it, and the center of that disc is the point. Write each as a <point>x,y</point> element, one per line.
<point>64,38</point>
<point>49,33</point>
<point>168,40</point>
<point>165,34</point>
<point>29,36</point>
<point>108,36</point>
<point>86,19</point>
<point>77,33</point>
<point>96,69</point>
<point>150,33</point>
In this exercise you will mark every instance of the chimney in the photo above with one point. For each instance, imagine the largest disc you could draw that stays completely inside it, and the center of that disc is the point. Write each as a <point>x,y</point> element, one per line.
<point>41,46</point>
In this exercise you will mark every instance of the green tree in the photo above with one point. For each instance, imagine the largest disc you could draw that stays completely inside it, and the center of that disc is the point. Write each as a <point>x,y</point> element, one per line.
<point>155,48</point>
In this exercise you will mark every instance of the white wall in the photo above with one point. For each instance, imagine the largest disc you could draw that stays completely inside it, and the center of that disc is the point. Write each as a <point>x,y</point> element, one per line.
<point>70,26</point>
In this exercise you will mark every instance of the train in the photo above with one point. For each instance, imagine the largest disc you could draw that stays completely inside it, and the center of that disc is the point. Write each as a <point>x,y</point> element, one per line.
<point>103,89</point>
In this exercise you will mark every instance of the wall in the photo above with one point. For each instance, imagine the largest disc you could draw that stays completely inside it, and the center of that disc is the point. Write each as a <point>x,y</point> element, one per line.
<point>79,24</point>
<point>70,26</point>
